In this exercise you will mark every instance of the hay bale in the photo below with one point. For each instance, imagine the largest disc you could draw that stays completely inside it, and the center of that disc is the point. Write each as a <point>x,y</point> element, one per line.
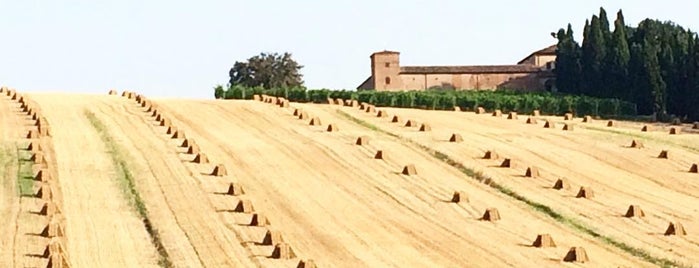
<point>634,211</point>
<point>34,146</point>
<point>536,113</point>
<point>259,219</point>
<point>382,113</point>
<point>354,103</point>
<point>363,106</point>
<point>44,130</point>
<point>272,237</point>
<point>370,109</point>
<point>512,116</point>
<point>244,206</point>
<point>303,116</point>
<point>152,108</point>
<point>645,128</point>
<point>219,171</point>
<point>695,125</point>
<point>315,121</point>
<point>561,184</point>
<point>332,128</point>
<point>395,119</point>
<point>480,110</point>
<point>155,113</point>
<point>585,192</point>
<point>363,140</point>
<point>568,116</point>
<point>675,228</point>
<point>636,144</point>
<point>187,142</point>
<point>497,113</point>
<point>459,196</point>
<point>284,104</point>
<point>283,251</point>
<point>329,101</point>
<point>663,154</point>
<point>676,122</point>
<point>171,130</point>
<point>507,163</point>
<point>235,189</point>
<point>674,130</point>
<point>491,214</point>
<point>544,241</point>
<point>32,134</point>
<point>549,124</point>
<point>532,172</point>
<point>178,134</point>
<point>491,155</point>
<point>380,155</point>
<point>256,97</point>
<point>409,170</point>
<point>42,175</point>
<point>297,111</point>
<point>456,137</point>
<point>568,127</point>
<point>48,209</point>
<point>425,127</point>
<point>38,158</point>
<point>576,254</point>
<point>694,168</point>
<point>164,122</point>
<point>52,229</point>
<point>44,192</point>
<point>158,117</point>
<point>587,119</point>
<point>200,159</point>
<point>457,109</point>
<point>339,101</point>
<point>610,123</point>
<point>410,123</point>
<point>531,120</point>
<point>306,264</point>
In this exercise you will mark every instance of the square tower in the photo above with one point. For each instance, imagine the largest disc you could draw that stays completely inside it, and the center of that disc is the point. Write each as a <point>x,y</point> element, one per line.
<point>385,71</point>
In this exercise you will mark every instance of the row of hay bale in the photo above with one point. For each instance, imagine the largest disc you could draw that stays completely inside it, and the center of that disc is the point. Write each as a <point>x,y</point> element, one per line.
<point>47,191</point>
<point>664,154</point>
<point>674,228</point>
<point>575,254</point>
<point>281,250</point>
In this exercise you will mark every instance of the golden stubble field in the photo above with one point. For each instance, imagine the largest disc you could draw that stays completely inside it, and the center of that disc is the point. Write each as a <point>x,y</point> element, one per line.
<point>213,183</point>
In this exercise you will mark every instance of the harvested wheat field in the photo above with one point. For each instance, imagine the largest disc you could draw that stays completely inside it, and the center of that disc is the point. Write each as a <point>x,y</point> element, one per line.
<point>593,156</point>
<point>292,192</point>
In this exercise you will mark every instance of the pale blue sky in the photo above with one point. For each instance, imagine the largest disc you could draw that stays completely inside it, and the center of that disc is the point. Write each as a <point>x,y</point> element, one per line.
<point>184,48</point>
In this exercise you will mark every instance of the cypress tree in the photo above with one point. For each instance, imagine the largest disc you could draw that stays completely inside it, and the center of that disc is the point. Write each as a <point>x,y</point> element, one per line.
<point>618,63</point>
<point>604,25</point>
<point>652,73</point>
<point>567,62</point>
<point>593,57</point>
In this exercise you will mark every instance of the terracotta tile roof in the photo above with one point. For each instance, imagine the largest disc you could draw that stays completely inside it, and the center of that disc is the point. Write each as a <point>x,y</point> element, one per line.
<point>474,69</point>
<point>550,50</point>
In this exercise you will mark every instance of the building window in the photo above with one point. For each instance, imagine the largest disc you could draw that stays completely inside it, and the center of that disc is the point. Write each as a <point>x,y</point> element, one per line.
<point>388,65</point>
<point>388,80</point>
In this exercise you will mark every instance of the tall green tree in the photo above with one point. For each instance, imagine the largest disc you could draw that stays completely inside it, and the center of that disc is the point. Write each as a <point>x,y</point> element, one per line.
<point>267,71</point>
<point>653,76</point>
<point>604,25</point>
<point>593,56</point>
<point>618,61</point>
<point>568,67</point>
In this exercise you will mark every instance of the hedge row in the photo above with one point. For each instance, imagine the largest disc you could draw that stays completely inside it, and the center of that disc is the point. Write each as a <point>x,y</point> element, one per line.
<point>522,102</point>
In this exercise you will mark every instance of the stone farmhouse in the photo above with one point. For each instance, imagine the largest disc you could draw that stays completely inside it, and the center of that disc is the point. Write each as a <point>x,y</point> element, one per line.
<point>533,73</point>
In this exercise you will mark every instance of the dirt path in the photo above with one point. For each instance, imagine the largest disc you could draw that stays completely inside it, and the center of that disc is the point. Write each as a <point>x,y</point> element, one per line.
<point>101,227</point>
<point>336,204</point>
<point>620,176</point>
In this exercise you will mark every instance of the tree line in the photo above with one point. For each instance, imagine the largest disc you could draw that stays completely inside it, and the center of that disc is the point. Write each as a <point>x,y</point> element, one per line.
<point>655,65</point>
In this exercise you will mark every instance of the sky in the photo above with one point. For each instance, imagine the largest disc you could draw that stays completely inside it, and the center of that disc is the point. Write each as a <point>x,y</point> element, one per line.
<point>183,49</point>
